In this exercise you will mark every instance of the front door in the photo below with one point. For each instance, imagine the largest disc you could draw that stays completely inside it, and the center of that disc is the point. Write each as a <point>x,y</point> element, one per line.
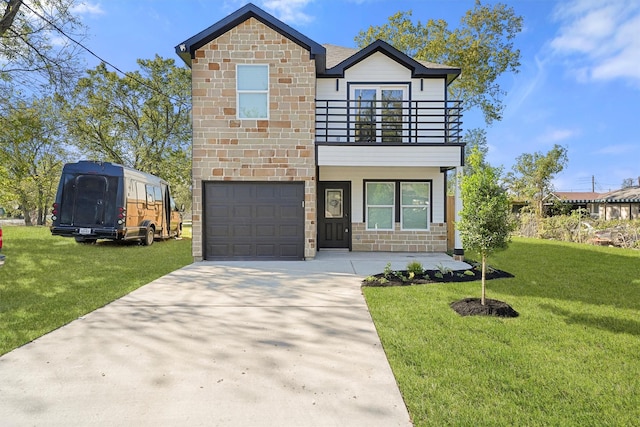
<point>334,215</point>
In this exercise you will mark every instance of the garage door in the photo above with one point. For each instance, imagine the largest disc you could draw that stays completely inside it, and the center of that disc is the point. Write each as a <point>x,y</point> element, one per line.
<point>251,220</point>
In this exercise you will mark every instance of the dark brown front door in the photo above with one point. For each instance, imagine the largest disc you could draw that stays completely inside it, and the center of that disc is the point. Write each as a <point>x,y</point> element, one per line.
<point>334,215</point>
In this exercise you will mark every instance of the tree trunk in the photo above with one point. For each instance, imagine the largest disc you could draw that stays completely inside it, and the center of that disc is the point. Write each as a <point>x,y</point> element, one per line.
<point>484,270</point>
<point>9,14</point>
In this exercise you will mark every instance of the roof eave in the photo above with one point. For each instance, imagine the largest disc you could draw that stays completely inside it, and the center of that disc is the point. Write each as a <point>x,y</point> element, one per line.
<point>186,50</point>
<point>417,69</point>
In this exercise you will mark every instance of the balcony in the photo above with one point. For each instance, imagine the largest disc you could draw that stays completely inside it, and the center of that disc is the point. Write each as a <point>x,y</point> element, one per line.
<point>387,122</point>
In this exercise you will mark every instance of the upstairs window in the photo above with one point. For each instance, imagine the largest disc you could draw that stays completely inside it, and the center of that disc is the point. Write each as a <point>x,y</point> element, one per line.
<point>253,91</point>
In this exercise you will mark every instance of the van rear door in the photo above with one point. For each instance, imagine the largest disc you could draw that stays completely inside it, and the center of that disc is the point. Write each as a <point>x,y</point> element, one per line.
<point>89,201</point>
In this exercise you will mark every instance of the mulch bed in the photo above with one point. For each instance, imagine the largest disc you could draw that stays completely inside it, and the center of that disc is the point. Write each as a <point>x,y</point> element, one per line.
<point>464,307</point>
<point>492,307</point>
<point>402,277</point>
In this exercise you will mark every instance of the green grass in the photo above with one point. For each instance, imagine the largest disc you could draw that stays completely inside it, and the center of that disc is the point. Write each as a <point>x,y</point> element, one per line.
<point>572,357</point>
<point>49,281</point>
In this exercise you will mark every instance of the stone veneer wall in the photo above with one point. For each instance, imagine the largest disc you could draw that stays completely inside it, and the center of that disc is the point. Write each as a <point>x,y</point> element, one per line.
<point>278,149</point>
<point>434,240</point>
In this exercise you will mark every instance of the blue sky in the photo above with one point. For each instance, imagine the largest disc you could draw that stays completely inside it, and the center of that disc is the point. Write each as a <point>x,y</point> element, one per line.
<point>578,85</point>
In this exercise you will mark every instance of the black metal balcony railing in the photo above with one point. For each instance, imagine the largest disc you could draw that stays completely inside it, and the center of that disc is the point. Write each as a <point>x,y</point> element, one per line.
<point>388,122</point>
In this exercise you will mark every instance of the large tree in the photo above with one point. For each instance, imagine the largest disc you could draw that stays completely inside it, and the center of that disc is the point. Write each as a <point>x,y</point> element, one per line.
<point>482,46</point>
<point>32,154</point>
<point>485,225</point>
<point>140,120</point>
<point>531,176</point>
<point>35,44</point>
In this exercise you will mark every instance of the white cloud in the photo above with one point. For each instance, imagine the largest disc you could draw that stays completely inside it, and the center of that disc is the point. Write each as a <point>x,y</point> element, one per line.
<point>290,11</point>
<point>553,136</point>
<point>86,8</point>
<point>616,149</point>
<point>598,39</point>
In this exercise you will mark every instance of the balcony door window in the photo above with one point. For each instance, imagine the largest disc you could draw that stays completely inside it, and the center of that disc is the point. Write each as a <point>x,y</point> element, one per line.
<point>378,113</point>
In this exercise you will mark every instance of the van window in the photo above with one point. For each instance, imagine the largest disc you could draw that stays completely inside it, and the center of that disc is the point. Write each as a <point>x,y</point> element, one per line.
<point>157,192</point>
<point>149,191</point>
<point>154,194</point>
<point>142,193</point>
<point>131,190</point>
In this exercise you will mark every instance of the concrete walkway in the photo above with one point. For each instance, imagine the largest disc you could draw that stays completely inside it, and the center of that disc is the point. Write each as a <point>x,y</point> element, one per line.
<point>216,344</point>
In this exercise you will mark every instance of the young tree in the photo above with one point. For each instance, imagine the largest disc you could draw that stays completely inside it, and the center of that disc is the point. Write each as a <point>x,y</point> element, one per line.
<point>531,175</point>
<point>485,224</point>
<point>140,120</point>
<point>473,138</point>
<point>482,46</point>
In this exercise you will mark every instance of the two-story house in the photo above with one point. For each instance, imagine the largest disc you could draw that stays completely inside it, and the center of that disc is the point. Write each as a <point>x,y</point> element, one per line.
<point>299,147</point>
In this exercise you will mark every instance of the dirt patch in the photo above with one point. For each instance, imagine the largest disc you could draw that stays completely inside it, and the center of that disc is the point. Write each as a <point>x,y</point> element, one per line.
<point>492,307</point>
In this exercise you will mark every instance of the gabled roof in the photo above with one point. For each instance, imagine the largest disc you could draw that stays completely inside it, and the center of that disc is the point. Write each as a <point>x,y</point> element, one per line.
<point>340,58</point>
<point>337,54</point>
<point>186,50</point>
<point>625,195</point>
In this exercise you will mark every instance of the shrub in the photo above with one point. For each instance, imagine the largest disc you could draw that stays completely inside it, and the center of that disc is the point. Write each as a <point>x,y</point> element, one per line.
<point>415,267</point>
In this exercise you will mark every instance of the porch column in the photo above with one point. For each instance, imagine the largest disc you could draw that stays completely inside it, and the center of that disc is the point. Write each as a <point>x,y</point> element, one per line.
<point>458,250</point>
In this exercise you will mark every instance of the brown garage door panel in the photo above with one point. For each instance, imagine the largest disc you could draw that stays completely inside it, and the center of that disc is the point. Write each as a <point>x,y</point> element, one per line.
<point>250,220</point>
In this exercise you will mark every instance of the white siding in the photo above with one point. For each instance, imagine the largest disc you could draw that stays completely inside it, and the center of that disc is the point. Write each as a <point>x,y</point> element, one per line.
<point>378,68</point>
<point>357,175</point>
<point>388,155</point>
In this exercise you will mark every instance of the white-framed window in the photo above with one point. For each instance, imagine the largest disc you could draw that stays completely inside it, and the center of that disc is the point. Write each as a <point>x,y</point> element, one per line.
<point>381,200</point>
<point>415,199</point>
<point>407,202</point>
<point>379,113</point>
<point>252,87</point>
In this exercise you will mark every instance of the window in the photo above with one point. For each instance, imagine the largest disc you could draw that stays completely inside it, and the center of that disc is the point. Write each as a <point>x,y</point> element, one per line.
<point>413,211</point>
<point>253,91</point>
<point>150,196</point>
<point>333,203</point>
<point>379,113</point>
<point>380,205</point>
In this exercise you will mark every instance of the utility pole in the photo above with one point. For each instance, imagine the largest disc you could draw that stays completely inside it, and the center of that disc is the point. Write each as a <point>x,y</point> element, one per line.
<point>593,183</point>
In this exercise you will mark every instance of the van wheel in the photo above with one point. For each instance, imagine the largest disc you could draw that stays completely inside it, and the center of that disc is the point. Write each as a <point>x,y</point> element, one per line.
<point>148,238</point>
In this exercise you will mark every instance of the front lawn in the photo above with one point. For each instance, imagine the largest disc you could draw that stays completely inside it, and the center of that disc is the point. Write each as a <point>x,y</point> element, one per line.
<point>49,281</point>
<point>572,357</point>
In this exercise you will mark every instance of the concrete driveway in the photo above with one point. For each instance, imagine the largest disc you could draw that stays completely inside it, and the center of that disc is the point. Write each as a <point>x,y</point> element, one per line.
<point>228,344</point>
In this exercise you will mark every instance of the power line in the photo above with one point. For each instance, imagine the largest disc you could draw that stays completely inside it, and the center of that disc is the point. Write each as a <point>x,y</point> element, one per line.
<point>130,75</point>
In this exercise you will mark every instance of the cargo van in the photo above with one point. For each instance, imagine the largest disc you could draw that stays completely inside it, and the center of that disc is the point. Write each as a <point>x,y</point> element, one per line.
<point>102,200</point>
